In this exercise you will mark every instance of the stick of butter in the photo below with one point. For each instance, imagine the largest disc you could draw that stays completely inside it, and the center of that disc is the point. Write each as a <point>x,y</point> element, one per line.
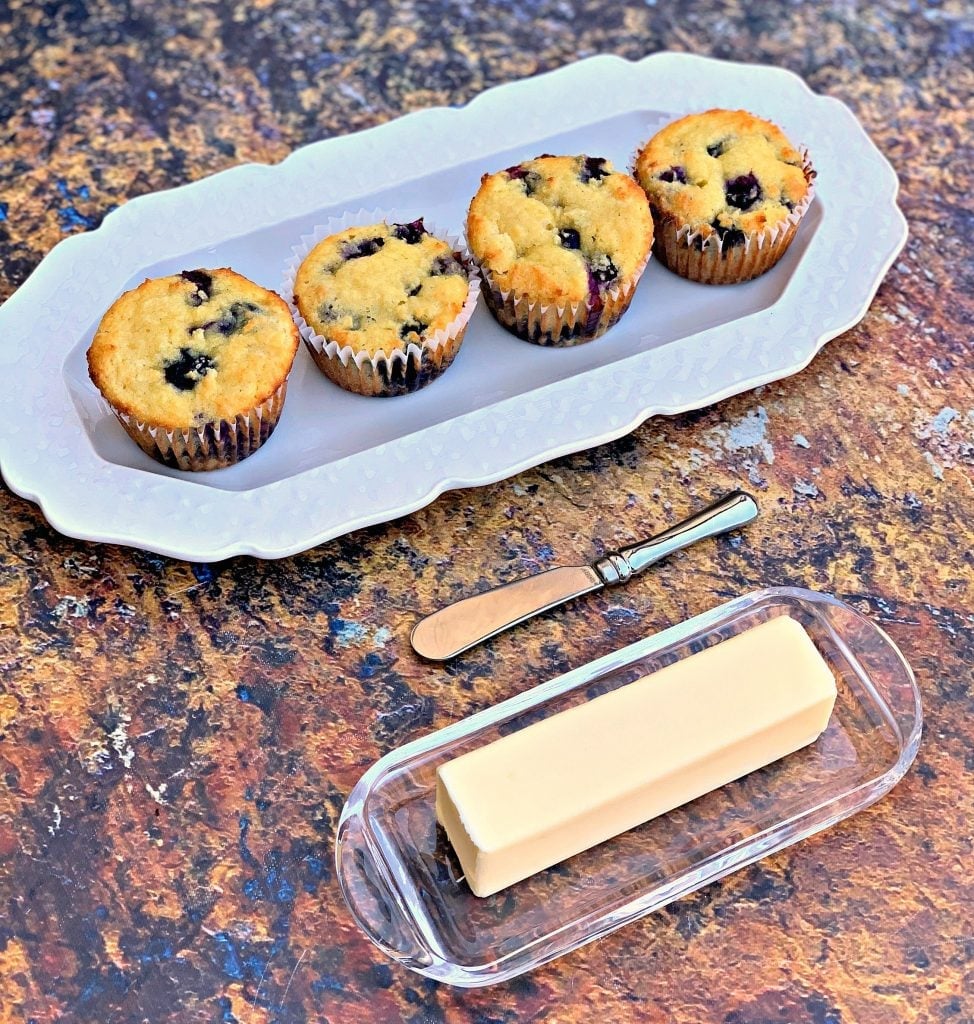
<point>569,782</point>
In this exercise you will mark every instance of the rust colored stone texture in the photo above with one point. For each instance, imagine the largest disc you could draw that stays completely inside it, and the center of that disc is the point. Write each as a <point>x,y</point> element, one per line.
<point>177,740</point>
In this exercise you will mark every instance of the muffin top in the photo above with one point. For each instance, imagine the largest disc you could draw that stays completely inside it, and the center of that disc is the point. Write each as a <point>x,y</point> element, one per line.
<point>194,348</point>
<point>559,229</point>
<point>723,171</point>
<point>379,287</point>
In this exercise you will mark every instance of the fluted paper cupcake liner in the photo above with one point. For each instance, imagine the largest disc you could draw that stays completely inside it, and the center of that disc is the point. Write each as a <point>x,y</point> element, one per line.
<point>705,258</point>
<point>560,326</point>
<point>406,368</point>
<point>213,445</point>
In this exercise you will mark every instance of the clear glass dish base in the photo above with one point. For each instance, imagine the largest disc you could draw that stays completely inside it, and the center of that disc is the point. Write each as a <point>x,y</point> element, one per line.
<point>404,885</point>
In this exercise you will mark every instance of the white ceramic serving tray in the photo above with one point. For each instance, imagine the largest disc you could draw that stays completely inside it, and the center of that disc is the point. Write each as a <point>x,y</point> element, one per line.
<point>339,461</point>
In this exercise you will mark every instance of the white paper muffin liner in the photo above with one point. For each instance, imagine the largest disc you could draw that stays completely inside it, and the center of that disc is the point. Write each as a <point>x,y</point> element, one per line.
<point>406,368</point>
<point>559,326</point>
<point>702,257</point>
<point>213,445</point>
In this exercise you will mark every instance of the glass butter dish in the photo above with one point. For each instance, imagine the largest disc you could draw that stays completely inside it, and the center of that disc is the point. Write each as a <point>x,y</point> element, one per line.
<point>404,885</point>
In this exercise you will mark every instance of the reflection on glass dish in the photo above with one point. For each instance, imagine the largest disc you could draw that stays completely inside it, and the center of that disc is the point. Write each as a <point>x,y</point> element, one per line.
<point>406,889</point>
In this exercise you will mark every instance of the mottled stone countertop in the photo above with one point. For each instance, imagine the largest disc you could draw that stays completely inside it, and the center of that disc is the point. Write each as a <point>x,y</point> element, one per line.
<point>177,740</point>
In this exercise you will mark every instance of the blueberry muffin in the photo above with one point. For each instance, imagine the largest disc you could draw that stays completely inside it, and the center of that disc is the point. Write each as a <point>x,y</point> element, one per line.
<point>561,242</point>
<point>727,190</point>
<point>195,366</point>
<point>383,307</point>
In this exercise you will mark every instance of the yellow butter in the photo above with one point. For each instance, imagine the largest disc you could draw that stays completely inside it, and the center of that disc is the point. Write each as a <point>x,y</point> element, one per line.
<point>565,784</point>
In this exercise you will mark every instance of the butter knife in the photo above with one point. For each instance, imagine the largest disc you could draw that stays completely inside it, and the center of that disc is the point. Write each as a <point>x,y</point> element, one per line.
<point>468,622</point>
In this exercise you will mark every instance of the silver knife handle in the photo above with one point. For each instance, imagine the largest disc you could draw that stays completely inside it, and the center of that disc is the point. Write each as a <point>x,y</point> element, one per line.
<point>729,513</point>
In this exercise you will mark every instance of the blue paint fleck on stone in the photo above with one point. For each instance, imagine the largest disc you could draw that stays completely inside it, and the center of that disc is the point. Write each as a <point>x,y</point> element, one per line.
<point>4,207</point>
<point>256,965</point>
<point>382,975</point>
<point>89,932</point>
<point>346,632</point>
<point>156,951</point>
<point>202,572</point>
<point>226,1011</point>
<point>370,665</point>
<point>232,967</point>
<point>90,990</point>
<point>621,614</point>
<point>118,979</point>
<point>327,983</point>
<point>71,218</point>
<point>271,881</point>
<point>279,887</point>
<point>245,855</point>
<point>317,872</point>
<point>261,695</point>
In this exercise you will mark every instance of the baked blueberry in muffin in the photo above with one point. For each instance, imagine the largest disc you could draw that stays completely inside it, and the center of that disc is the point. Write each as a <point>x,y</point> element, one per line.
<point>561,242</point>
<point>384,306</point>
<point>195,365</point>
<point>727,190</point>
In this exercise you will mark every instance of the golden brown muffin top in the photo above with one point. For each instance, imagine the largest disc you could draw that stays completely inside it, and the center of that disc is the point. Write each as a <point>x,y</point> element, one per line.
<point>724,171</point>
<point>557,228</point>
<point>194,348</point>
<point>379,287</point>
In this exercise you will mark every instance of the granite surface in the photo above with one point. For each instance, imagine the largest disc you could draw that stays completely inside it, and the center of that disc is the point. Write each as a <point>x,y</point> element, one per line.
<point>177,740</point>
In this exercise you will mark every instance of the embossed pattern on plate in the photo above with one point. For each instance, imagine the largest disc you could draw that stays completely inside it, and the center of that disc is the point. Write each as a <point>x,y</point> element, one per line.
<point>343,461</point>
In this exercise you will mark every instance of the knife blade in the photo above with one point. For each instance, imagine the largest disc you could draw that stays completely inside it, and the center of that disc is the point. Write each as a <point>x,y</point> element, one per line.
<point>468,622</point>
